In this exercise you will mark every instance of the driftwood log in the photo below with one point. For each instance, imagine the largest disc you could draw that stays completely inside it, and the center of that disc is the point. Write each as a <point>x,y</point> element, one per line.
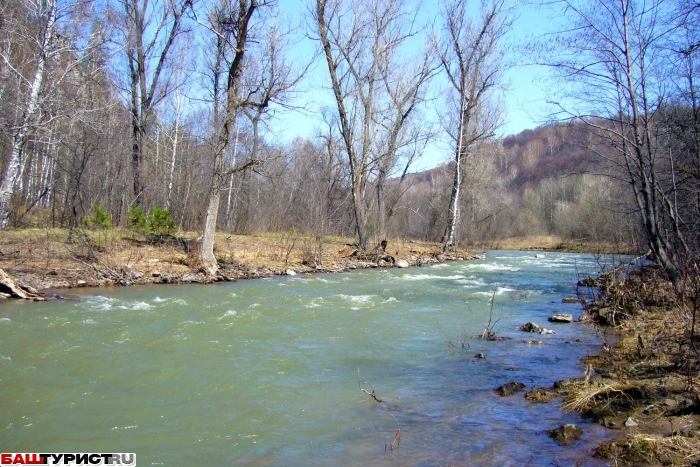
<point>10,287</point>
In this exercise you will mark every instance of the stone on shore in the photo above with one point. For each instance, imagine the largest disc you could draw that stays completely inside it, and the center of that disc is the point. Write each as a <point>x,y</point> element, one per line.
<point>562,318</point>
<point>401,263</point>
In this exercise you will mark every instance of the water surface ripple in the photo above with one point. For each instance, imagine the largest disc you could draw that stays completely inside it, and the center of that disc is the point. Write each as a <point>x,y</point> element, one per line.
<point>264,372</point>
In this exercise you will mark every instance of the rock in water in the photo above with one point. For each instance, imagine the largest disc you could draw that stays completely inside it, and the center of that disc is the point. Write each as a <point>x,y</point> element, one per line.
<point>566,433</point>
<point>562,318</point>
<point>401,263</point>
<point>290,272</point>
<point>509,389</point>
<point>530,327</point>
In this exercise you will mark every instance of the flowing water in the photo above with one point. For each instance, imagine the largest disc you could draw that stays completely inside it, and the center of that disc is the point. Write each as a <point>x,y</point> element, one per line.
<point>265,372</point>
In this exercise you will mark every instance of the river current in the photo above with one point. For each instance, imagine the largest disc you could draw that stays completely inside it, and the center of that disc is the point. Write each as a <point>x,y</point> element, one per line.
<point>265,372</point>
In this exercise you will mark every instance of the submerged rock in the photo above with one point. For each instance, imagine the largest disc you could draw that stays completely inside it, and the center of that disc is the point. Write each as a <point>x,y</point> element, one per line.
<point>509,389</point>
<point>566,433</point>
<point>540,395</point>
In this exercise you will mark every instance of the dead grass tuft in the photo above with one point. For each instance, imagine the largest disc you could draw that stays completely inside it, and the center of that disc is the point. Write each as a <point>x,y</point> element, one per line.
<point>600,394</point>
<point>672,450</point>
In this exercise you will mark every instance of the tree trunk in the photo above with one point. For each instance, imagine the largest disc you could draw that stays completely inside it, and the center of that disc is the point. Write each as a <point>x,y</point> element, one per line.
<point>207,258</point>
<point>448,238</point>
<point>233,105</point>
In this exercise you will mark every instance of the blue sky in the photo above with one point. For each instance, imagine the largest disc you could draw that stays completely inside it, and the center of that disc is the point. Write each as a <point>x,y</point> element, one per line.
<point>524,98</point>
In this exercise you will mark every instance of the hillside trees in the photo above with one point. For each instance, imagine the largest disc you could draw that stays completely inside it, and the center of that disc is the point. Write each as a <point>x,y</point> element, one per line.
<point>377,90</point>
<point>470,56</point>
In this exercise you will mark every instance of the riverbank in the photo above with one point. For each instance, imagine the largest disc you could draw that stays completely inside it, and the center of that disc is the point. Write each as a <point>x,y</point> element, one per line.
<point>646,383</point>
<point>45,259</point>
<point>52,259</point>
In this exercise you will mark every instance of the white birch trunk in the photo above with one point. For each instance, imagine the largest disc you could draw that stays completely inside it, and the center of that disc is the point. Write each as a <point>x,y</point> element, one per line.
<point>230,182</point>
<point>20,135</point>
<point>457,184</point>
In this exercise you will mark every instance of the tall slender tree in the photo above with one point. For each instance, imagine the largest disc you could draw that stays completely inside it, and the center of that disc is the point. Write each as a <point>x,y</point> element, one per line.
<point>470,52</point>
<point>250,59</point>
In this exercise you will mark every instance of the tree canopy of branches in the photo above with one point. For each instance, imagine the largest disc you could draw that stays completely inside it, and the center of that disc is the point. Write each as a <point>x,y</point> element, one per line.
<point>377,91</point>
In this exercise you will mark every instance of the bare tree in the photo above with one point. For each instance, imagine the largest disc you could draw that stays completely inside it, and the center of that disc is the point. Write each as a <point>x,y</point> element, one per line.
<point>612,56</point>
<point>376,91</point>
<point>471,58</point>
<point>252,84</point>
<point>147,31</point>
<point>404,135</point>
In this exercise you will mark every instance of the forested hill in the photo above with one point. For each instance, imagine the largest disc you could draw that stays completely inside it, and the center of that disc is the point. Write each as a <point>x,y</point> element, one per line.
<point>527,158</point>
<point>548,151</point>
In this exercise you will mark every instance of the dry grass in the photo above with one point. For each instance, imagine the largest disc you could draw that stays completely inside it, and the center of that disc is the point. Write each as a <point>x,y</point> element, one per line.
<point>583,397</point>
<point>51,258</point>
<point>552,243</point>
<point>652,449</point>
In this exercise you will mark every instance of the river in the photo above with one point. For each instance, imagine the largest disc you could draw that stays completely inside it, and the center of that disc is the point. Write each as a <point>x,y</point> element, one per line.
<point>265,372</point>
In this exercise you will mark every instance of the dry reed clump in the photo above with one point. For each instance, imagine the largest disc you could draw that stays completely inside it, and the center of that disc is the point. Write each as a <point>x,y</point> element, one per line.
<point>672,450</point>
<point>602,394</point>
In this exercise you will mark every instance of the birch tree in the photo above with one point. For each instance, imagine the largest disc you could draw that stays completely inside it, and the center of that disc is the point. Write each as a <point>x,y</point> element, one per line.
<point>470,53</point>
<point>39,52</point>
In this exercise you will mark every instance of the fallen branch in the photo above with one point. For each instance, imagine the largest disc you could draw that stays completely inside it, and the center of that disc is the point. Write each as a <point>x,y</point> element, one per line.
<point>370,394</point>
<point>397,434</point>
<point>15,290</point>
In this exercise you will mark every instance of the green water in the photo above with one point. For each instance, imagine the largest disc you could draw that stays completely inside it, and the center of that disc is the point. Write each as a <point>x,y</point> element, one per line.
<point>265,372</point>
